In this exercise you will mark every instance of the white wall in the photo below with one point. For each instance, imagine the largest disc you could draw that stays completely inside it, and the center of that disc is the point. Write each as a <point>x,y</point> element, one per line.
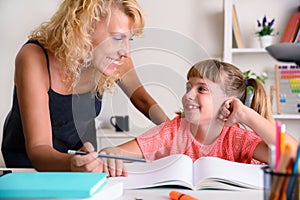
<point>184,31</point>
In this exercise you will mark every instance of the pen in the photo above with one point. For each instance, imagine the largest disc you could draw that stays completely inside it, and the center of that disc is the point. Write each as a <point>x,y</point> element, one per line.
<point>278,181</point>
<point>175,195</point>
<point>272,157</point>
<point>282,138</point>
<point>277,145</point>
<point>291,185</point>
<point>107,156</point>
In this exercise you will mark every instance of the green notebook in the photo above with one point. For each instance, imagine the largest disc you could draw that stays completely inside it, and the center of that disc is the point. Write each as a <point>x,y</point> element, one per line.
<point>51,184</point>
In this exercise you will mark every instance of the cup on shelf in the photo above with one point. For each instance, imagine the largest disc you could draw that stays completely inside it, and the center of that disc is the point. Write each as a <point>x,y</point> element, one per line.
<point>280,185</point>
<point>120,123</point>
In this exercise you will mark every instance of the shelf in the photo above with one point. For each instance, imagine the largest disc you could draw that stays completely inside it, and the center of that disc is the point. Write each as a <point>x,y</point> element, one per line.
<point>248,50</point>
<point>287,116</point>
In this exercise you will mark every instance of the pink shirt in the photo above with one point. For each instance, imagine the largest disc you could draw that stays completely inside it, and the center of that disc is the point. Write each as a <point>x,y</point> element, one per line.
<point>174,137</point>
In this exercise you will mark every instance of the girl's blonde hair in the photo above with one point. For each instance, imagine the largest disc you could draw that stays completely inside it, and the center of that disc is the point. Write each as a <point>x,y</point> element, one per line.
<point>68,34</point>
<point>234,83</point>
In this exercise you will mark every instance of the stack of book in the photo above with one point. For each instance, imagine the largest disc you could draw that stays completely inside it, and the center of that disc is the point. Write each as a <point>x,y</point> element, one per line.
<point>291,33</point>
<point>58,185</point>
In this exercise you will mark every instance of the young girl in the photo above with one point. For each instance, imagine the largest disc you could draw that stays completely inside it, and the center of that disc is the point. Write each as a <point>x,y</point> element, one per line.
<point>209,125</point>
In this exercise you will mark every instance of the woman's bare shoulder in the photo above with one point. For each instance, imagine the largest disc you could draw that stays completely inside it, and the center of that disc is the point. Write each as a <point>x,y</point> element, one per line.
<point>31,65</point>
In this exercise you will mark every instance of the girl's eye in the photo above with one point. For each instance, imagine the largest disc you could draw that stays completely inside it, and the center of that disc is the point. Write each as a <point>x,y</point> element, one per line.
<point>202,89</point>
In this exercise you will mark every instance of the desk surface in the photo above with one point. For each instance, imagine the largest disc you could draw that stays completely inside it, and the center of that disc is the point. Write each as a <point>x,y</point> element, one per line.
<point>163,194</point>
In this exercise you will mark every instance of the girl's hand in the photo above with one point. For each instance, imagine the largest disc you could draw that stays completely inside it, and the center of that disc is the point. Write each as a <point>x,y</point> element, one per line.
<point>113,167</point>
<point>86,163</point>
<point>231,111</point>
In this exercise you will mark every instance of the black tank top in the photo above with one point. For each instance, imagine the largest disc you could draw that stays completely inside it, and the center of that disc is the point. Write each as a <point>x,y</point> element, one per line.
<point>72,120</point>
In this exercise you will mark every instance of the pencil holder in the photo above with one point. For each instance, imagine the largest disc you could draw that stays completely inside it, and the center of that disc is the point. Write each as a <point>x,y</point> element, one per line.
<point>280,185</point>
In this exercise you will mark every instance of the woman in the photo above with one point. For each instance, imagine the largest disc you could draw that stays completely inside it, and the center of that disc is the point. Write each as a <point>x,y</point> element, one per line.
<point>60,76</point>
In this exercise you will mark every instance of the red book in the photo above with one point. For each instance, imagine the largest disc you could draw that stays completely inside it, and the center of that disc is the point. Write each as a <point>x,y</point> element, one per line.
<point>291,28</point>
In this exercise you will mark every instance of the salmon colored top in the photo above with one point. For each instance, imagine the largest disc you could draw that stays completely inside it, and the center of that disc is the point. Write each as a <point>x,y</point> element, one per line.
<point>174,137</point>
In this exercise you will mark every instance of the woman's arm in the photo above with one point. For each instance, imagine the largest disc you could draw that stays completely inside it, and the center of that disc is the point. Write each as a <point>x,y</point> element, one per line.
<point>140,98</point>
<point>32,83</point>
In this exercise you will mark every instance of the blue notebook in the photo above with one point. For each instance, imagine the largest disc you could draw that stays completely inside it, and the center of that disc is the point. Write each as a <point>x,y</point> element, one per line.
<point>51,184</point>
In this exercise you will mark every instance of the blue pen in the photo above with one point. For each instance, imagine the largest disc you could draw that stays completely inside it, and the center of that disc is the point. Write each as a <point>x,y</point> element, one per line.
<point>291,184</point>
<point>107,156</point>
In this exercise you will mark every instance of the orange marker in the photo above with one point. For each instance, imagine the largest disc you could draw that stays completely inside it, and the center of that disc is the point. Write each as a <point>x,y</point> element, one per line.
<point>174,195</point>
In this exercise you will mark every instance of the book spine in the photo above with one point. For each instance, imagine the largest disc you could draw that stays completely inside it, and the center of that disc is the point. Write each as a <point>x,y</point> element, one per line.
<point>236,28</point>
<point>291,28</point>
<point>297,35</point>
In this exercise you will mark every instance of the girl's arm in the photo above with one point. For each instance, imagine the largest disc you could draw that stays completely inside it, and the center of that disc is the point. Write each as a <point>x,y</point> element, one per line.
<point>237,112</point>
<point>116,167</point>
<point>138,95</point>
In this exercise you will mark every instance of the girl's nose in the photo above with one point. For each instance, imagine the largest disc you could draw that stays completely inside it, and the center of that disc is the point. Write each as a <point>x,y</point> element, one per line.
<point>190,95</point>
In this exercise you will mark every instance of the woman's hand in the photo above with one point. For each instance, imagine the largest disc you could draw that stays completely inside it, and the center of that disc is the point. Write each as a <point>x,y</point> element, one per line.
<point>113,167</point>
<point>86,163</point>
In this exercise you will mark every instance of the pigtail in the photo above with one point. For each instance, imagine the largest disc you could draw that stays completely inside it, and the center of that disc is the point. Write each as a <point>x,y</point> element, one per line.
<point>260,102</point>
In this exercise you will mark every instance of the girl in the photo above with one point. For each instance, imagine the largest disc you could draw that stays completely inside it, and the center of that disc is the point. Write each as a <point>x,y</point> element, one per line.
<point>209,125</point>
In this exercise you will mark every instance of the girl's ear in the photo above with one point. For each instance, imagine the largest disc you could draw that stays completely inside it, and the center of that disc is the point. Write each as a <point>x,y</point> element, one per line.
<point>229,97</point>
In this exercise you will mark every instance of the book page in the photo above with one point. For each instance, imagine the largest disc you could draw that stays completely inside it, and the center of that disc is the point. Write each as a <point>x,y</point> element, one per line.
<point>171,170</point>
<point>239,174</point>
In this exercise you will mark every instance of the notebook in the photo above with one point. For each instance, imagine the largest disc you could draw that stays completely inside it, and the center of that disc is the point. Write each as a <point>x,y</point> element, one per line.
<point>205,173</point>
<point>51,184</point>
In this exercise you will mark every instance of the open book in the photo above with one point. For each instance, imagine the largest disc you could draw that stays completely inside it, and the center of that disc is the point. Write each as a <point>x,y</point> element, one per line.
<point>204,173</point>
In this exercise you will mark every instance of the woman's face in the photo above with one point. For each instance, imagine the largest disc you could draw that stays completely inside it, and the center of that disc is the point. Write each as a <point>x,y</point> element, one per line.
<point>202,100</point>
<point>111,41</point>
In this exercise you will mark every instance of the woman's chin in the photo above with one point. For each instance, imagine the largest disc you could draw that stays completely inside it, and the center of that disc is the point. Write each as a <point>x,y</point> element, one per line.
<point>109,71</point>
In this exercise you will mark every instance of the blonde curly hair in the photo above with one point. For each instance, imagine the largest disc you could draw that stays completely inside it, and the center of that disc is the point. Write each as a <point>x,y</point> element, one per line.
<point>68,34</point>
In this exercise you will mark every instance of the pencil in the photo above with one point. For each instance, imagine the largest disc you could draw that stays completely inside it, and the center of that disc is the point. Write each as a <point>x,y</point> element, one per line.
<point>278,180</point>
<point>272,157</point>
<point>74,152</point>
<point>282,138</point>
<point>291,185</point>
<point>283,192</point>
<point>277,145</point>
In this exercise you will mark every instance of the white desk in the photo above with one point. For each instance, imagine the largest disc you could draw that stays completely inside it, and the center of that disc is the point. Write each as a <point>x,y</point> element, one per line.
<point>163,194</point>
